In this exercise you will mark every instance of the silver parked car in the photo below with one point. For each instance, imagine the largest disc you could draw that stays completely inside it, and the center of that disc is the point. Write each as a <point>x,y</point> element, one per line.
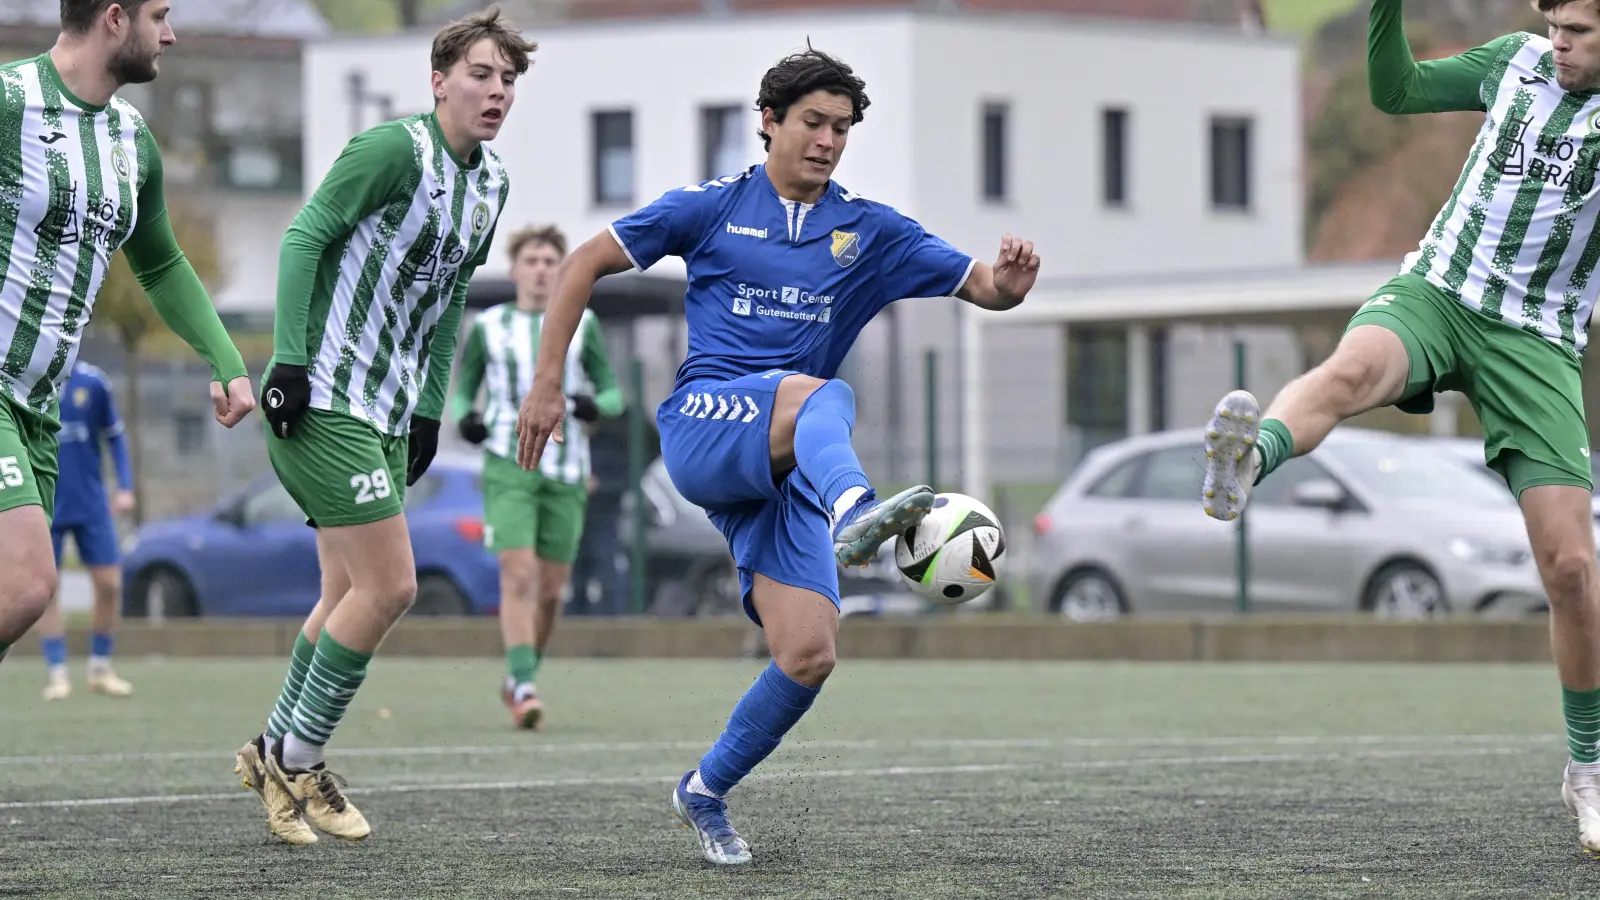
<point>1470,451</point>
<point>1368,521</point>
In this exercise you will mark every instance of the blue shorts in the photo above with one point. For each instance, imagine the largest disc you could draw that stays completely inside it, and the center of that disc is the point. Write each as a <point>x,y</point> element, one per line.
<point>715,443</point>
<point>96,541</point>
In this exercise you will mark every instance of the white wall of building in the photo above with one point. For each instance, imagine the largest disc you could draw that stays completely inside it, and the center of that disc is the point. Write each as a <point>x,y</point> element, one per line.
<point>918,148</point>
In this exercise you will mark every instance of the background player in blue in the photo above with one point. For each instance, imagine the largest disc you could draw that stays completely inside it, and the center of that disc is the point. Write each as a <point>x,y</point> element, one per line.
<point>785,267</point>
<point>84,511</point>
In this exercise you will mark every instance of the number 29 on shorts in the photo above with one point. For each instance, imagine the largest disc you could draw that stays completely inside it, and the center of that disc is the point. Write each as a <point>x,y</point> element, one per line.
<point>368,487</point>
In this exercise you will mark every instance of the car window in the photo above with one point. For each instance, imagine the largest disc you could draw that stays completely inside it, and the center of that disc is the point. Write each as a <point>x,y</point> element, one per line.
<point>1173,474</point>
<point>1279,489</point>
<point>271,504</point>
<point>1401,470</point>
<point>1119,481</point>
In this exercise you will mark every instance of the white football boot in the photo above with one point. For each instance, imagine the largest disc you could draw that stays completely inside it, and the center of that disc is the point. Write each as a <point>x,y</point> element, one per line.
<point>1231,461</point>
<point>1581,792</point>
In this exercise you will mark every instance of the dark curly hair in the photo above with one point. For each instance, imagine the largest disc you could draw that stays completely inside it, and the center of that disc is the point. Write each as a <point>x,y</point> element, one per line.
<point>798,75</point>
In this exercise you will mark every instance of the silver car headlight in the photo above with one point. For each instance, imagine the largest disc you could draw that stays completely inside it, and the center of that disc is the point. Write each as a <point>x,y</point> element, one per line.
<point>1478,551</point>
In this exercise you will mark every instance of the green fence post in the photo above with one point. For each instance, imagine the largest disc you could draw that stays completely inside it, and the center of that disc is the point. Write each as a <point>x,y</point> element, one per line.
<point>931,403</point>
<point>1242,544</point>
<point>637,576</point>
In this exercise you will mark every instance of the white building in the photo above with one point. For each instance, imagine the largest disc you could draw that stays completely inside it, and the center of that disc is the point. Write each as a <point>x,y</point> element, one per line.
<point>1124,149</point>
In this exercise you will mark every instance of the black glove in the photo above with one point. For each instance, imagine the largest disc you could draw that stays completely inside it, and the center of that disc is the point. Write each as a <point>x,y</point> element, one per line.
<point>472,429</point>
<point>584,410</point>
<point>286,395</point>
<point>423,444</point>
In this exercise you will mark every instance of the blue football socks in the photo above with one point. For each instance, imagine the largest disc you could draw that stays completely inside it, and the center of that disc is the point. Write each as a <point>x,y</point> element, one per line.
<point>55,651</point>
<point>764,715</point>
<point>822,444</point>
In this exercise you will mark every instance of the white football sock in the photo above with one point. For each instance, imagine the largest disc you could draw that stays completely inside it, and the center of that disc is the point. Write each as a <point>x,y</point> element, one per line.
<point>846,501</point>
<point>298,754</point>
<point>696,786</point>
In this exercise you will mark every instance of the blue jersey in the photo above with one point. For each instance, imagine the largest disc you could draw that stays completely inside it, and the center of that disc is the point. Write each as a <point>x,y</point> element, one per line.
<point>778,284</point>
<point>88,419</point>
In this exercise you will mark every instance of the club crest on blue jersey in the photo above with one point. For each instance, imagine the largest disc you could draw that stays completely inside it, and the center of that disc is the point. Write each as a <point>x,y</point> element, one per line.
<point>80,396</point>
<point>846,248</point>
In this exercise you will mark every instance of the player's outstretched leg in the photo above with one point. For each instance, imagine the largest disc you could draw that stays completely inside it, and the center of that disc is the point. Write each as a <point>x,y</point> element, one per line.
<point>822,452</point>
<point>1368,369</point>
<point>801,627</point>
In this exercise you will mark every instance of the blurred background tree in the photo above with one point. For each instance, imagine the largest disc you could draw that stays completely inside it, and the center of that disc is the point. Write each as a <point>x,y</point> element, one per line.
<point>123,308</point>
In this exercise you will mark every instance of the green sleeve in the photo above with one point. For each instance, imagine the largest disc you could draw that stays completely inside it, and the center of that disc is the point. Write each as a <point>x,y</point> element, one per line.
<point>170,281</point>
<point>473,361</point>
<point>373,168</point>
<point>442,352</point>
<point>607,395</point>
<point>1400,85</point>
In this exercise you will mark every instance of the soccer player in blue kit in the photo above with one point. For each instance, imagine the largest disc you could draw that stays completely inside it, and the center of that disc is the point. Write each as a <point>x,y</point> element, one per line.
<point>89,420</point>
<point>785,268</point>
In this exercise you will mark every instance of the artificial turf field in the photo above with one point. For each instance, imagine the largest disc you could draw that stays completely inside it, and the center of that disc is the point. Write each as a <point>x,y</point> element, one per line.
<point>918,780</point>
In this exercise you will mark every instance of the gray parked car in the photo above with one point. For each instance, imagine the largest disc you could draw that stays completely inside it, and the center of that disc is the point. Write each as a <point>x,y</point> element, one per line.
<point>1368,521</point>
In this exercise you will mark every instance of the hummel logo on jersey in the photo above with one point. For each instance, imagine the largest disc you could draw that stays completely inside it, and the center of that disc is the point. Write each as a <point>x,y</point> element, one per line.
<point>53,137</point>
<point>702,406</point>
<point>747,232</point>
<point>1534,80</point>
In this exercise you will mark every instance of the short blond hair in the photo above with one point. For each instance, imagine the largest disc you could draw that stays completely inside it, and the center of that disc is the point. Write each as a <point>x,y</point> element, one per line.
<point>536,234</point>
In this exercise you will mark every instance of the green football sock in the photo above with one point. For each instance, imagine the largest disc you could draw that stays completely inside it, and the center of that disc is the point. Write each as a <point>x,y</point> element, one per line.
<point>1582,710</point>
<point>3,648</point>
<point>538,658</point>
<point>521,662</point>
<point>1274,445</point>
<point>299,664</point>
<point>331,683</point>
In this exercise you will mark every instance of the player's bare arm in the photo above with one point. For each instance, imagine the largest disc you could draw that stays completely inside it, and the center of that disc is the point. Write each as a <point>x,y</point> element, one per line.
<point>545,407</point>
<point>1005,284</point>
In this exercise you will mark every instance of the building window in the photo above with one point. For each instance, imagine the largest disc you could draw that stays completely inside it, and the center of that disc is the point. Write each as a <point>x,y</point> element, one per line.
<point>613,158</point>
<point>995,117</point>
<point>1114,153</point>
<point>1230,163</point>
<point>721,141</point>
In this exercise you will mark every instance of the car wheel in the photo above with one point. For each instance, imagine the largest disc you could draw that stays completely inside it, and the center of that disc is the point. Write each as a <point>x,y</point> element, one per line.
<point>437,595</point>
<point>1405,590</point>
<point>161,592</point>
<point>1089,595</point>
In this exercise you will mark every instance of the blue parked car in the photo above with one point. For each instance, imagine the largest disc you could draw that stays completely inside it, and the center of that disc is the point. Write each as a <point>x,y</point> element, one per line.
<point>253,555</point>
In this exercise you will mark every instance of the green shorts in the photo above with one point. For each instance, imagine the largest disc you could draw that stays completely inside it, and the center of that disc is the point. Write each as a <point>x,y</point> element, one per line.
<point>527,509</point>
<point>1526,390</point>
<point>28,465</point>
<point>340,470</point>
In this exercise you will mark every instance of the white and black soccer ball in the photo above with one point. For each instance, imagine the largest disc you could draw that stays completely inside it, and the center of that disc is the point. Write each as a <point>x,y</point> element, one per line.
<point>955,553</point>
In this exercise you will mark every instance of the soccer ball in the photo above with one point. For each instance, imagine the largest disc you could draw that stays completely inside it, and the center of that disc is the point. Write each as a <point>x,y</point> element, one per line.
<point>955,553</point>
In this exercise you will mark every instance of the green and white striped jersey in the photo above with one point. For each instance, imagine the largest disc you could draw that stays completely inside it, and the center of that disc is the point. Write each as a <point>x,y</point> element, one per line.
<point>1518,238</point>
<point>501,355</point>
<point>73,178</point>
<point>375,270</point>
